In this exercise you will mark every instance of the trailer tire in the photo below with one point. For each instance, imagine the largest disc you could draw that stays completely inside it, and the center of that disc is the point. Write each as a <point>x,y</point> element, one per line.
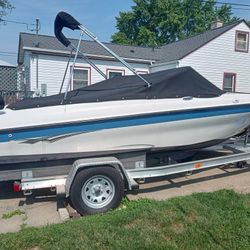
<point>96,190</point>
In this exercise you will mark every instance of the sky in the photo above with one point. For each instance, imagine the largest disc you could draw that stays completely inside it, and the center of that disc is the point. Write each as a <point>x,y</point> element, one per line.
<point>97,15</point>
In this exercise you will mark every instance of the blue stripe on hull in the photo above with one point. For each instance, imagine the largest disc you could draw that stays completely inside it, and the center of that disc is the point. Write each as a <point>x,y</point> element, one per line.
<point>83,127</point>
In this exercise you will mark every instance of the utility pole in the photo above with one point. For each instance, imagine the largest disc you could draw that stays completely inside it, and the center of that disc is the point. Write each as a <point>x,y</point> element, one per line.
<point>37,29</point>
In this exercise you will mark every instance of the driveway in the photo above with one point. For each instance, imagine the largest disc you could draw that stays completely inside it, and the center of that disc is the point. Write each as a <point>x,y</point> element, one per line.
<point>40,208</point>
<point>18,211</point>
<point>226,177</point>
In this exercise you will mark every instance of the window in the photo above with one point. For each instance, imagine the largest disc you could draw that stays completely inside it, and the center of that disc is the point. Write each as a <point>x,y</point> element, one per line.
<point>81,77</point>
<point>115,72</point>
<point>241,41</point>
<point>229,82</point>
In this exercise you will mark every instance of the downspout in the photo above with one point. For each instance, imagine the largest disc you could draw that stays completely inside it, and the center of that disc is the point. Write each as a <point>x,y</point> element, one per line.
<point>37,45</point>
<point>37,85</point>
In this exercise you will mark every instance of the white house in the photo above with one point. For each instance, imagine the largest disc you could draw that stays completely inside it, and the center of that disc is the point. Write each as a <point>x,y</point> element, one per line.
<point>220,54</point>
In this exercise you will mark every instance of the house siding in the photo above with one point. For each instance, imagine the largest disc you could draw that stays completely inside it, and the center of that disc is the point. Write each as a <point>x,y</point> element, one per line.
<point>219,56</point>
<point>211,60</point>
<point>51,71</point>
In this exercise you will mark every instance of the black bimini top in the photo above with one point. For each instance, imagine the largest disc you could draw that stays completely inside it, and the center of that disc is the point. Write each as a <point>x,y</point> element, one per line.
<point>173,83</point>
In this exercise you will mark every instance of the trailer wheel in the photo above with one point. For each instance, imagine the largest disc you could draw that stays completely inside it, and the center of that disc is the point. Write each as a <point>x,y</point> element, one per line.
<point>96,190</point>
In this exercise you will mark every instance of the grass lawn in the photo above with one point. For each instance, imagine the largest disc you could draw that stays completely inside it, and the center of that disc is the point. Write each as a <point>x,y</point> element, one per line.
<point>219,220</point>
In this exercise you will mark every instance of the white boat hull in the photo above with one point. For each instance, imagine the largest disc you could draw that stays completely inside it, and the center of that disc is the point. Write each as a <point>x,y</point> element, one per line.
<point>105,129</point>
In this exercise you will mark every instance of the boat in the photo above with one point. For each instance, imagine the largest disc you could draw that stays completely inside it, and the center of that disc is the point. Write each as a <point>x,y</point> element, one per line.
<point>172,110</point>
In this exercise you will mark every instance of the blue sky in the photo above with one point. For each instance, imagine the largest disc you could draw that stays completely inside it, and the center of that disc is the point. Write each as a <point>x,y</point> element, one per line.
<point>97,15</point>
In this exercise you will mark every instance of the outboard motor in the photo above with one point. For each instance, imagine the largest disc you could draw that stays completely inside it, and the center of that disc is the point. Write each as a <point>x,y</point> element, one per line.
<point>2,104</point>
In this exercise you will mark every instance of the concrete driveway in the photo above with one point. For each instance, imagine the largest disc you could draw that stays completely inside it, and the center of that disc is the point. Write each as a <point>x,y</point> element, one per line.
<point>227,177</point>
<point>18,211</point>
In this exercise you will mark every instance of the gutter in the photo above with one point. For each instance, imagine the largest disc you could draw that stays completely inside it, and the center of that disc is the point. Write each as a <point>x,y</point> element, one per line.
<point>98,57</point>
<point>177,62</point>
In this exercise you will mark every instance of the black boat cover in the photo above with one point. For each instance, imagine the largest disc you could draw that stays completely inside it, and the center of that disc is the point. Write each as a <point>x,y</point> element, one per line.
<point>2,104</point>
<point>173,83</point>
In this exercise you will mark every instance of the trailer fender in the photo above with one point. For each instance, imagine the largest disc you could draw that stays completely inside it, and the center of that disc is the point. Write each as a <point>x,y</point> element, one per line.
<point>81,164</point>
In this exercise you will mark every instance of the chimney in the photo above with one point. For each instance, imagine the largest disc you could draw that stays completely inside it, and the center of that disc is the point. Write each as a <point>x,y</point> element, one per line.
<point>216,23</point>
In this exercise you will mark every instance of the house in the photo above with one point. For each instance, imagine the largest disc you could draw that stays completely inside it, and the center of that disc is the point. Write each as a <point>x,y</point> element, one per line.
<point>220,54</point>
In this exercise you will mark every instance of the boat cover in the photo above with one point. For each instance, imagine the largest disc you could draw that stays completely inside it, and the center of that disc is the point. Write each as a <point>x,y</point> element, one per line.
<point>173,83</point>
<point>2,104</point>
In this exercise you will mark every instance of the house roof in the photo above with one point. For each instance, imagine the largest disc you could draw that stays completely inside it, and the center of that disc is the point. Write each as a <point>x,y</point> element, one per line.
<point>182,48</point>
<point>89,47</point>
<point>169,52</point>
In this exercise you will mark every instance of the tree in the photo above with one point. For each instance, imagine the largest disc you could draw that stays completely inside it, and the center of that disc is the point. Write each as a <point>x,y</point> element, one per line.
<point>158,22</point>
<point>5,6</point>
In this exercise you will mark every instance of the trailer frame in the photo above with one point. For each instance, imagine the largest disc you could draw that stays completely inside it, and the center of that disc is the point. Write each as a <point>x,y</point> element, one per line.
<point>131,169</point>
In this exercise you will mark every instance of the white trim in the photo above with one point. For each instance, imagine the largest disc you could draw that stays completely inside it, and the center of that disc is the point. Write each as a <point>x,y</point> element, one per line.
<point>237,40</point>
<point>142,72</point>
<point>110,70</point>
<point>88,55</point>
<point>177,62</point>
<point>88,69</point>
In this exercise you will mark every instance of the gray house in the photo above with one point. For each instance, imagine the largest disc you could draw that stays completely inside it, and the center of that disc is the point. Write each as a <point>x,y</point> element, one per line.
<point>220,54</point>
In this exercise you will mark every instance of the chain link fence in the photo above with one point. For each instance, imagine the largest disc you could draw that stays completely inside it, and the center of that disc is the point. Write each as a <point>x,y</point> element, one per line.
<point>12,86</point>
<point>8,78</point>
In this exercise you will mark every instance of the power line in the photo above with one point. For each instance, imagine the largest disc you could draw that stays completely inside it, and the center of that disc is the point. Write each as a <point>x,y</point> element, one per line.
<point>16,22</point>
<point>7,52</point>
<point>10,21</point>
<point>37,24</point>
<point>8,55</point>
<point>240,9</point>
<point>233,4</point>
<point>239,6</point>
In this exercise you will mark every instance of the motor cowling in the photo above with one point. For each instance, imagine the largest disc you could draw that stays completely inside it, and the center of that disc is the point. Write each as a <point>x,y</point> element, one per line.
<point>2,104</point>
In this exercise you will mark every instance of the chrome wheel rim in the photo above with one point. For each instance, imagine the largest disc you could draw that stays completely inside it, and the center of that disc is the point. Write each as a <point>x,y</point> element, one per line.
<point>98,191</point>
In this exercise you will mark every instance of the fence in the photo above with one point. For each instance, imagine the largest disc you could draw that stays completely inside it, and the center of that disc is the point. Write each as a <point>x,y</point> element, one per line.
<point>12,87</point>
<point>8,78</point>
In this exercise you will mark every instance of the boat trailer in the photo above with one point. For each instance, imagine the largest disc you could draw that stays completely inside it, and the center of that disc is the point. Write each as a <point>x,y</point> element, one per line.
<point>98,184</point>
